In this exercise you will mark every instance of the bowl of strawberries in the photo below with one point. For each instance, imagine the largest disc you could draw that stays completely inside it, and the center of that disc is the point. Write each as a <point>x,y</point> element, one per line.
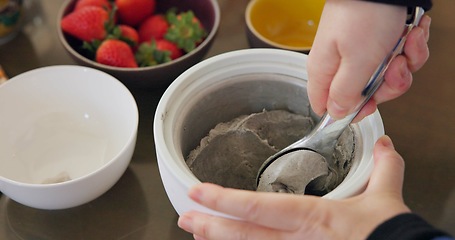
<point>143,43</point>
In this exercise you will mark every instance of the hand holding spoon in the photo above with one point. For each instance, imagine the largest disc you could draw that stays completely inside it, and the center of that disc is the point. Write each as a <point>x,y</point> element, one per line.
<point>288,170</point>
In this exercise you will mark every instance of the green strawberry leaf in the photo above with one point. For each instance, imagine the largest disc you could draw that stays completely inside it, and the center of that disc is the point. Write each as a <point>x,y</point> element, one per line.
<point>91,47</point>
<point>110,24</point>
<point>116,33</point>
<point>185,30</point>
<point>148,55</point>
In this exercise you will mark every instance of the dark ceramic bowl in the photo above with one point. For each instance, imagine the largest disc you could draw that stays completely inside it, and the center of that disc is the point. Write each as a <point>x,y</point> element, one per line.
<point>157,76</point>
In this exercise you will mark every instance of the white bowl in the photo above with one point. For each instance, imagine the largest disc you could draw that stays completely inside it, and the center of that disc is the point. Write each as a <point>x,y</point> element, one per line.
<point>226,86</point>
<point>67,134</point>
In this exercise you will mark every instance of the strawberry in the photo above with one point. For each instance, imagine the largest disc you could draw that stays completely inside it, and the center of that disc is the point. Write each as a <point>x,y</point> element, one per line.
<point>99,3</point>
<point>133,12</point>
<point>157,52</point>
<point>120,32</point>
<point>129,34</point>
<point>185,30</point>
<point>164,45</point>
<point>153,28</point>
<point>114,52</point>
<point>86,24</point>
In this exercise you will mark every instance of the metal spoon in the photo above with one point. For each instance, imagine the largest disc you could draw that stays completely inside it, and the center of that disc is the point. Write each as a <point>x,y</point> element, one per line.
<point>278,173</point>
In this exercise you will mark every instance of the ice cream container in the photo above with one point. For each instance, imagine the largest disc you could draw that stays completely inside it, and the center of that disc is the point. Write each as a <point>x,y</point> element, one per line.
<point>228,85</point>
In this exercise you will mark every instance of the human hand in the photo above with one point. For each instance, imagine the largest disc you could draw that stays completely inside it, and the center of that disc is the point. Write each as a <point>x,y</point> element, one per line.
<point>352,40</point>
<point>268,215</point>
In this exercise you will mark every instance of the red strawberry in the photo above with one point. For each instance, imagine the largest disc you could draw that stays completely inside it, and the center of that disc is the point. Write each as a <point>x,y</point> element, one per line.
<point>115,53</point>
<point>185,30</point>
<point>86,24</point>
<point>133,12</point>
<point>124,33</point>
<point>99,3</point>
<point>129,34</point>
<point>153,27</point>
<point>157,52</point>
<point>164,45</point>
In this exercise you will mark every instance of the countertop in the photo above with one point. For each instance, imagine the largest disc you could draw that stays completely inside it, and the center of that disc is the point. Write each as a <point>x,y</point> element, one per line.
<point>421,123</point>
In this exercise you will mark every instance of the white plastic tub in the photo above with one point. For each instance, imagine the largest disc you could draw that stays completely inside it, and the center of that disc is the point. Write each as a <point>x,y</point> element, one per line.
<point>226,86</point>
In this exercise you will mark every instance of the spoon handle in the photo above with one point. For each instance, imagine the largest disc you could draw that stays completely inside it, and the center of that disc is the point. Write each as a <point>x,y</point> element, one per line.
<point>329,128</point>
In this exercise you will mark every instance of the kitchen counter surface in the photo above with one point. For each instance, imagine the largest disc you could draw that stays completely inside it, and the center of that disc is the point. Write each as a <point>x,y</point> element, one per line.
<point>421,123</point>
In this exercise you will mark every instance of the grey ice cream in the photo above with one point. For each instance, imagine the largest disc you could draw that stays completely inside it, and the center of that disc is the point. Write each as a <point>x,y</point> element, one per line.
<point>233,152</point>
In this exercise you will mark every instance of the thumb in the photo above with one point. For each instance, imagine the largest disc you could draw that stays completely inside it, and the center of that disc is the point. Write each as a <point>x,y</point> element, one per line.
<point>388,172</point>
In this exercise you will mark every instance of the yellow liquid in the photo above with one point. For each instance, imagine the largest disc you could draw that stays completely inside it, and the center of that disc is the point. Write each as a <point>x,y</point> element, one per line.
<point>288,22</point>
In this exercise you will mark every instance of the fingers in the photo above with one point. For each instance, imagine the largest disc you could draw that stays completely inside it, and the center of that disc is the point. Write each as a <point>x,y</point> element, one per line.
<point>263,215</point>
<point>388,170</point>
<point>336,88</point>
<point>369,108</point>
<point>398,78</point>
<point>205,226</point>
<point>322,54</point>
<point>416,48</point>
<point>266,209</point>
<point>335,83</point>
<point>397,81</point>
<point>348,83</point>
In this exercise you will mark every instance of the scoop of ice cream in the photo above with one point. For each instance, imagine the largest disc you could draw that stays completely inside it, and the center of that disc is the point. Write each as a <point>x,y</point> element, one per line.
<point>297,172</point>
<point>233,152</point>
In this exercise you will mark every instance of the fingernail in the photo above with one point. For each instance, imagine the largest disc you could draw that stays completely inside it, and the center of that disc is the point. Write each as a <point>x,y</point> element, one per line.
<point>386,141</point>
<point>195,193</point>
<point>186,223</point>
<point>196,237</point>
<point>422,38</point>
<point>426,26</point>
<point>429,21</point>
<point>336,111</point>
